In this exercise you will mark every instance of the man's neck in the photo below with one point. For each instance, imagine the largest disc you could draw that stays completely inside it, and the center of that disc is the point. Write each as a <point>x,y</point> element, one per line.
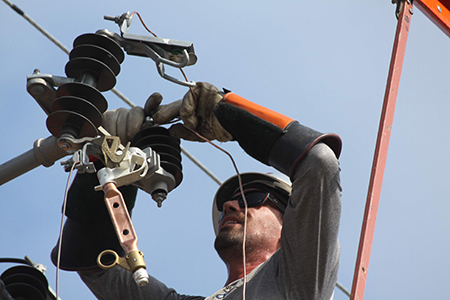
<point>236,267</point>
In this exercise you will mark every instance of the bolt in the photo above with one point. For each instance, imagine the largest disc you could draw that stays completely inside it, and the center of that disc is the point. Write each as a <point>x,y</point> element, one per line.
<point>64,145</point>
<point>439,8</point>
<point>411,11</point>
<point>111,18</point>
<point>159,197</point>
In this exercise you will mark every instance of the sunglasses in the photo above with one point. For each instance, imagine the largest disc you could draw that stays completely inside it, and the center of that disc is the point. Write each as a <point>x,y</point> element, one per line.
<point>257,198</point>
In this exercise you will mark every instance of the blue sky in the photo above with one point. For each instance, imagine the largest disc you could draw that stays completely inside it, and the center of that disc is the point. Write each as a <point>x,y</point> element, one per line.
<point>324,63</point>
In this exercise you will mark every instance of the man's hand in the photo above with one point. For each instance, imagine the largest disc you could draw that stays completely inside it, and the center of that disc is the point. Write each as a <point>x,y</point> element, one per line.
<point>196,112</point>
<point>125,123</point>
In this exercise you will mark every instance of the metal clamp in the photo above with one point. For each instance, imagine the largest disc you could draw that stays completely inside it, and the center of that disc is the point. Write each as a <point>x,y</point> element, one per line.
<point>133,167</point>
<point>162,51</point>
<point>81,156</point>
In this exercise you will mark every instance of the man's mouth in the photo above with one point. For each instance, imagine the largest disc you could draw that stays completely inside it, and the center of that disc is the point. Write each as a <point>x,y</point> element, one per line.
<point>229,220</point>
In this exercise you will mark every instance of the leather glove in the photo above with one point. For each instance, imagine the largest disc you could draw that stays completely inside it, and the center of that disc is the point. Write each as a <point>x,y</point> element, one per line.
<point>125,123</point>
<point>196,112</point>
<point>162,114</point>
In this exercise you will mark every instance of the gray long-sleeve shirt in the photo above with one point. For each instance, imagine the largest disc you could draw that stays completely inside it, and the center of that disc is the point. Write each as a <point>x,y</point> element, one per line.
<point>306,265</point>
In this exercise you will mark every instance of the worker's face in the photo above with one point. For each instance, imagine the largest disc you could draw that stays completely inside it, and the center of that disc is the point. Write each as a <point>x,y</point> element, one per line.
<point>264,225</point>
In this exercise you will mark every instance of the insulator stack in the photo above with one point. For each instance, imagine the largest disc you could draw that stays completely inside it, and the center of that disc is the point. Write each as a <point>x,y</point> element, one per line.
<point>168,148</point>
<point>94,63</point>
<point>24,282</point>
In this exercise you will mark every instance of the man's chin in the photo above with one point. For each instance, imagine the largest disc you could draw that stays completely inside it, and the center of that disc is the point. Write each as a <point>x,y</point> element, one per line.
<point>228,239</point>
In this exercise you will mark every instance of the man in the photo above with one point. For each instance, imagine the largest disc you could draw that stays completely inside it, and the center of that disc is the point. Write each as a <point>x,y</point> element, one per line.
<point>291,246</point>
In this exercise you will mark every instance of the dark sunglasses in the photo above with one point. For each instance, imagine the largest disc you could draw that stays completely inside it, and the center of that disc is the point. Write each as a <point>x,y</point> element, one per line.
<point>258,198</point>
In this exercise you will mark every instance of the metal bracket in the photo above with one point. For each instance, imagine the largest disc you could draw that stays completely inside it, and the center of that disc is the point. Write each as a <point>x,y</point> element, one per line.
<point>113,153</point>
<point>41,88</point>
<point>162,51</point>
<point>124,21</point>
<point>399,6</point>
<point>106,148</point>
<point>133,167</point>
<point>81,156</point>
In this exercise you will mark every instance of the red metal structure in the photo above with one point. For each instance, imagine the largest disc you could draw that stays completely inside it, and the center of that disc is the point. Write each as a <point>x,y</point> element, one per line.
<point>439,13</point>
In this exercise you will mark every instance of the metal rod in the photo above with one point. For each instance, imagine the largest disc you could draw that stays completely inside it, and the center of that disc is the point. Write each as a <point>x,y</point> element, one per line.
<point>381,150</point>
<point>44,152</point>
<point>343,289</point>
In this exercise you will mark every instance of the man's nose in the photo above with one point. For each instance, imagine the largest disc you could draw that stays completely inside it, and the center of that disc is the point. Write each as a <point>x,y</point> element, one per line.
<point>229,206</point>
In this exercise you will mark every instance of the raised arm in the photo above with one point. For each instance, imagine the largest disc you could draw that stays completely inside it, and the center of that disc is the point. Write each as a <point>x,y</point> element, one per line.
<point>309,254</point>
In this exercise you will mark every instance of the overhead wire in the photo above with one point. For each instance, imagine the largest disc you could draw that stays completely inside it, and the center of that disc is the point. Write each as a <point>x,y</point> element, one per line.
<point>241,189</point>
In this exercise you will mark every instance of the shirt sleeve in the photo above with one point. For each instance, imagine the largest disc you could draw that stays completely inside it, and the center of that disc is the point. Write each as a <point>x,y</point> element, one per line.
<point>117,283</point>
<point>309,254</point>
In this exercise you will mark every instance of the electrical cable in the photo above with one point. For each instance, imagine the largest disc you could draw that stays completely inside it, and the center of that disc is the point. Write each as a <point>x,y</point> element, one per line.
<point>244,261</point>
<point>58,261</point>
<point>143,23</point>
<point>244,238</point>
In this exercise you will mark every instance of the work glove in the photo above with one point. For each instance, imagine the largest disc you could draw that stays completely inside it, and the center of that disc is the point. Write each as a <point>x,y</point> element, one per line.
<point>196,111</point>
<point>125,123</point>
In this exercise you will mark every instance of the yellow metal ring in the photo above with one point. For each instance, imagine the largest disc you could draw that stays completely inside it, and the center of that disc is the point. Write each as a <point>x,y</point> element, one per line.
<point>113,264</point>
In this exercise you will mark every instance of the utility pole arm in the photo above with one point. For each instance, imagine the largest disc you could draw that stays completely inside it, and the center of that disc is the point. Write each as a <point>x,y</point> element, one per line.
<point>44,152</point>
